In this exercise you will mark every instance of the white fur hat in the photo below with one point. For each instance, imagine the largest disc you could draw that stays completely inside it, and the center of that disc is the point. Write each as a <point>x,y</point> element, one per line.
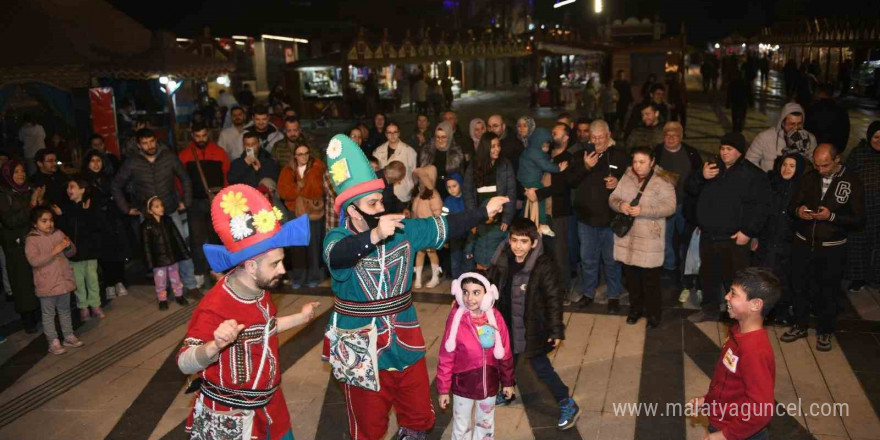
<point>486,306</point>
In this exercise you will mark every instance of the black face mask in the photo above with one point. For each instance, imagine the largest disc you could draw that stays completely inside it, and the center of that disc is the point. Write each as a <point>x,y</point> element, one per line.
<point>372,220</point>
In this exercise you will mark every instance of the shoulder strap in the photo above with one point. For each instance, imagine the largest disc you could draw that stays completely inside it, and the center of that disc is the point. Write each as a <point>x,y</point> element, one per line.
<point>195,154</point>
<point>642,189</point>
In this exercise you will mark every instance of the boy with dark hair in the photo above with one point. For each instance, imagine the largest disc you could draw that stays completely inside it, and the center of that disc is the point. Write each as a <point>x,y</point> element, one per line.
<point>392,174</point>
<point>740,402</point>
<point>531,302</point>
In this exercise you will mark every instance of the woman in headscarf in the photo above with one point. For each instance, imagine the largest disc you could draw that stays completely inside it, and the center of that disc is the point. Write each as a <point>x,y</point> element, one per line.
<point>444,154</point>
<point>525,126</point>
<point>16,201</point>
<point>863,247</point>
<point>114,249</point>
<point>774,243</point>
<point>476,129</point>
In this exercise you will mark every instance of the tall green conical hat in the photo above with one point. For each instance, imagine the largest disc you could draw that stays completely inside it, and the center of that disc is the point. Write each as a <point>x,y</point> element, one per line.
<point>351,174</point>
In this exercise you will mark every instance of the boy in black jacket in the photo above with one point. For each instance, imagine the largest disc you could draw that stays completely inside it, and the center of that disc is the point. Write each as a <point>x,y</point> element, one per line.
<point>829,204</point>
<point>530,299</point>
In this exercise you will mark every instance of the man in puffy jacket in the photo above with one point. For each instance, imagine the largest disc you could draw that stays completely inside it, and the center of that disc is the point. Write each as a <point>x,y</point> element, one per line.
<point>829,204</point>
<point>733,201</point>
<point>149,173</point>
<point>787,136</point>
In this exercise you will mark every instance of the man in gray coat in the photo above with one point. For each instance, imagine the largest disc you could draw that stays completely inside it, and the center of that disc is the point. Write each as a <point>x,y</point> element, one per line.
<point>787,136</point>
<point>150,173</point>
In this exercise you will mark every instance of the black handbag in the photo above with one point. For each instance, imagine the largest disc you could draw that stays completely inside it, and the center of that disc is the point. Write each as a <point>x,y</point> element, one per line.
<point>622,223</point>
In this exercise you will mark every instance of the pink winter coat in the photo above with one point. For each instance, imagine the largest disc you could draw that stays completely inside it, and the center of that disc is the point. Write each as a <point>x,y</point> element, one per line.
<point>471,371</point>
<point>53,274</point>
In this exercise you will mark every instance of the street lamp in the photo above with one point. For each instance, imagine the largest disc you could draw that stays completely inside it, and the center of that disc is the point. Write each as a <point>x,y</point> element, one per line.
<point>597,6</point>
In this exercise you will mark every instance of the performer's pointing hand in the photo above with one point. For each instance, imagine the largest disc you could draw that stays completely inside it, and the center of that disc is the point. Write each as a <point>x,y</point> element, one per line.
<point>387,225</point>
<point>308,310</point>
<point>226,333</point>
<point>495,205</point>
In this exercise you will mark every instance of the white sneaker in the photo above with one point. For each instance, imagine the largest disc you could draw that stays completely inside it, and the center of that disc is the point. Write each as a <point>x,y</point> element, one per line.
<point>200,281</point>
<point>111,292</point>
<point>545,230</point>
<point>120,289</point>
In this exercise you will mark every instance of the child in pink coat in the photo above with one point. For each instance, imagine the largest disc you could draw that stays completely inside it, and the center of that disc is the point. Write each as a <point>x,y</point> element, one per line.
<point>47,250</point>
<point>475,357</point>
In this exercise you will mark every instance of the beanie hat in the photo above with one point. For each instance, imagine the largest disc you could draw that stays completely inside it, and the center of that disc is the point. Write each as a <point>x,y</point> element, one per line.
<point>486,306</point>
<point>735,140</point>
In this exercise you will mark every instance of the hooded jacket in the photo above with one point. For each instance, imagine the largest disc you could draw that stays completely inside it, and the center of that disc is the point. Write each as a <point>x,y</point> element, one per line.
<point>845,198</point>
<point>534,161</point>
<point>644,244</point>
<point>769,144</point>
<point>737,199</point>
<point>533,310</point>
<point>53,274</point>
<point>472,371</point>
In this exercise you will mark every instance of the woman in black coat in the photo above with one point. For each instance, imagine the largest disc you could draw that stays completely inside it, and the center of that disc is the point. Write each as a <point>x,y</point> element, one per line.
<point>16,201</point>
<point>774,243</point>
<point>115,248</point>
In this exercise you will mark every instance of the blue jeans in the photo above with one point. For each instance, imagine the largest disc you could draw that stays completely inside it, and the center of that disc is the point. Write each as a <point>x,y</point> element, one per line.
<point>675,225</point>
<point>598,243</point>
<point>187,270</point>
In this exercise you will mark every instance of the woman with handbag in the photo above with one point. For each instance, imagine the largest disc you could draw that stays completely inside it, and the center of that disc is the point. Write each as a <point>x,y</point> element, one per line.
<point>643,199</point>
<point>301,186</point>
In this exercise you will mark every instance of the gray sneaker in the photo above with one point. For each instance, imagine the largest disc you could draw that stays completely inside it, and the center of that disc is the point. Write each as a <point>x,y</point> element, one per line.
<point>823,342</point>
<point>794,333</point>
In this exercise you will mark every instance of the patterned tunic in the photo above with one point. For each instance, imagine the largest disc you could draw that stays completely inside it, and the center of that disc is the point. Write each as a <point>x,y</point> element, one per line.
<point>863,247</point>
<point>400,342</point>
<point>239,363</point>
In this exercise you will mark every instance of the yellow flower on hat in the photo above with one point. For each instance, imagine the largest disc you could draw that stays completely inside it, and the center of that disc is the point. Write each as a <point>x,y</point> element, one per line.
<point>265,221</point>
<point>234,204</point>
<point>278,214</point>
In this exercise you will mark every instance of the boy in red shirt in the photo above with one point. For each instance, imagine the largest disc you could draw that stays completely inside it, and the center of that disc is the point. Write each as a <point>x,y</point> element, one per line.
<point>740,401</point>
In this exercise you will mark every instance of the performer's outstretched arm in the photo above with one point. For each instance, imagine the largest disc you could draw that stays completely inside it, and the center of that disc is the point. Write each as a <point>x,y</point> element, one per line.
<point>197,358</point>
<point>305,315</point>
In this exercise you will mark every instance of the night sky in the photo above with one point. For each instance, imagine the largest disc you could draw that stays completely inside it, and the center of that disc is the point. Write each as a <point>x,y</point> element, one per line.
<point>705,20</point>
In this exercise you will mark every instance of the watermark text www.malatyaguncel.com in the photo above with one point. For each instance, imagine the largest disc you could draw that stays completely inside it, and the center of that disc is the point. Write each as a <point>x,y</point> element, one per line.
<point>735,410</point>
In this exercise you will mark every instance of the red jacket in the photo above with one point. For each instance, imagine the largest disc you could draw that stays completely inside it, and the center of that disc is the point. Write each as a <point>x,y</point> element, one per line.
<point>215,164</point>
<point>471,371</point>
<point>744,377</point>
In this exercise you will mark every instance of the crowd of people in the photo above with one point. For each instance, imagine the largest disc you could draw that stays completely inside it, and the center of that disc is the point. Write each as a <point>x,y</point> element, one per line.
<point>541,215</point>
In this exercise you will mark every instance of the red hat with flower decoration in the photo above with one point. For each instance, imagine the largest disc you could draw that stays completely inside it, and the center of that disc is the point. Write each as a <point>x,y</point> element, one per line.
<point>248,225</point>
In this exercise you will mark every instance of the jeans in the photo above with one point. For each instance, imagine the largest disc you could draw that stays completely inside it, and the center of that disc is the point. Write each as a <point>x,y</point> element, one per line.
<point>85,274</point>
<point>547,374</point>
<point>187,271</point>
<point>678,237</point>
<point>49,305</point>
<point>597,243</point>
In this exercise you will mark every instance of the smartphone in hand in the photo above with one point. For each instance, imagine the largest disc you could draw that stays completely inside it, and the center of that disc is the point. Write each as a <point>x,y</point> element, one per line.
<point>250,153</point>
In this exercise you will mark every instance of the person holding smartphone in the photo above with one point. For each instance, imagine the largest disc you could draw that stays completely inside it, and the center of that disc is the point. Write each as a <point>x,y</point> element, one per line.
<point>733,202</point>
<point>828,206</point>
<point>254,165</point>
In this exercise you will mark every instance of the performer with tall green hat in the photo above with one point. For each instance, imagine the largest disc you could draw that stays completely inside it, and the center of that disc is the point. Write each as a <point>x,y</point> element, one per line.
<point>373,341</point>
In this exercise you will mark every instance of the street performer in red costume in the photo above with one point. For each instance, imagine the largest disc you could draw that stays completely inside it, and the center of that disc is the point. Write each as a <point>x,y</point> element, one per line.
<point>232,338</point>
